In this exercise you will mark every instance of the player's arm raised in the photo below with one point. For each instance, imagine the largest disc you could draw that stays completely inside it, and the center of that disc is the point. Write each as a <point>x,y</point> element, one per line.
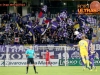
<point>76,45</point>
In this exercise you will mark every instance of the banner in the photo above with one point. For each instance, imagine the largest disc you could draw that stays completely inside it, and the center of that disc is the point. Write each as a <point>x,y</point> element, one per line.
<point>74,53</point>
<point>14,52</point>
<point>2,52</point>
<point>76,62</point>
<point>17,52</point>
<point>70,62</point>
<point>38,62</point>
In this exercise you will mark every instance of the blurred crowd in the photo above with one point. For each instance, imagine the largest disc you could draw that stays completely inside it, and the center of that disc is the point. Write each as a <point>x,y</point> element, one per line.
<point>14,29</point>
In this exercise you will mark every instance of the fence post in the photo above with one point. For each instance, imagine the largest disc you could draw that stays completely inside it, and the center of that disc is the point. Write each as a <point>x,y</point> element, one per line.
<point>65,55</point>
<point>7,55</point>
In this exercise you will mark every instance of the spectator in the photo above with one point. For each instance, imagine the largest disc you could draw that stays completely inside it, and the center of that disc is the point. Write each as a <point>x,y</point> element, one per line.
<point>33,15</point>
<point>36,15</point>
<point>48,15</point>
<point>56,40</point>
<point>21,33</point>
<point>30,40</point>
<point>89,35</point>
<point>99,24</point>
<point>72,39</point>
<point>38,36</point>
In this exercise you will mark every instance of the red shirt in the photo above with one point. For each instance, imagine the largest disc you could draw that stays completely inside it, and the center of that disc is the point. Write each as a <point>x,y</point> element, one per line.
<point>47,55</point>
<point>40,15</point>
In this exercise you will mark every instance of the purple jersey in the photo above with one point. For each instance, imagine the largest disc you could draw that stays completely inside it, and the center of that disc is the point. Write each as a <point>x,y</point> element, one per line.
<point>89,47</point>
<point>91,55</point>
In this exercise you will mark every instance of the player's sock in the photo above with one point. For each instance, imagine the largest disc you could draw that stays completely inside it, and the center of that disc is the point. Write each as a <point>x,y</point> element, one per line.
<point>46,63</point>
<point>84,62</point>
<point>26,69</point>
<point>87,63</point>
<point>83,66</point>
<point>50,63</point>
<point>92,63</point>
<point>35,69</point>
<point>91,66</point>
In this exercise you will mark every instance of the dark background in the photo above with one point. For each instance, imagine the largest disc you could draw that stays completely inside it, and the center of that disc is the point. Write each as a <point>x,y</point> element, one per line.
<point>54,6</point>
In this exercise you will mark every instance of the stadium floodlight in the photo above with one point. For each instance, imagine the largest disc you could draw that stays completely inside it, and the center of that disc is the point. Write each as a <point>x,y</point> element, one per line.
<point>64,3</point>
<point>41,3</point>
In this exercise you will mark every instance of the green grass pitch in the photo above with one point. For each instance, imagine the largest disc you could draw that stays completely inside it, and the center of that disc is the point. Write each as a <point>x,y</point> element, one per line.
<point>68,70</point>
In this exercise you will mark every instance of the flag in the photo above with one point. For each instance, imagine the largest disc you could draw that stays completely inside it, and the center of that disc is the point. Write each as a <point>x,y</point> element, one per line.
<point>41,29</point>
<point>63,15</point>
<point>65,34</point>
<point>54,25</point>
<point>91,20</point>
<point>25,19</point>
<point>81,20</point>
<point>79,36</point>
<point>83,16</point>
<point>58,19</point>
<point>62,24</point>
<point>84,24</point>
<point>70,22</point>
<point>44,8</point>
<point>41,18</point>
<point>30,28</point>
<point>41,14</point>
<point>47,22</point>
<point>86,29</point>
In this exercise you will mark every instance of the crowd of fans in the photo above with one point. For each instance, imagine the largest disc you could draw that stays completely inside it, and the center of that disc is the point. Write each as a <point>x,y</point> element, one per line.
<point>14,31</point>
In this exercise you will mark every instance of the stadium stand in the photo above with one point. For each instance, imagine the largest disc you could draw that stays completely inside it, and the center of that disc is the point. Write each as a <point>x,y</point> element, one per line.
<point>15,29</point>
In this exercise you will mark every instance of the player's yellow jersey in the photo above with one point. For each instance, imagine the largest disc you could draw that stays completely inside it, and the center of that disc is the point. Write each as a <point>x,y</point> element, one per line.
<point>83,45</point>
